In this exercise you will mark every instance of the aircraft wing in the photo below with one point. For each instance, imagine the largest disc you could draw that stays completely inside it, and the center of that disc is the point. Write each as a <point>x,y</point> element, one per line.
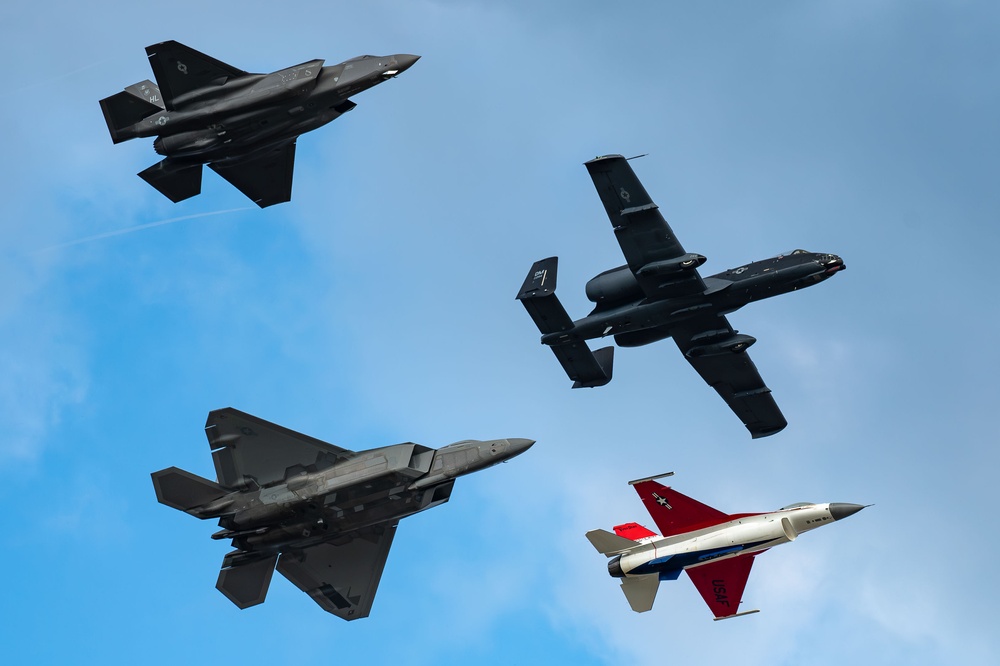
<point>343,578</point>
<point>265,177</point>
<point>179,69</point>
<point>721,583</point>
<point>647,241</point>
<point>673,512</point>
<point>730,371</point>
<point>245,447</point>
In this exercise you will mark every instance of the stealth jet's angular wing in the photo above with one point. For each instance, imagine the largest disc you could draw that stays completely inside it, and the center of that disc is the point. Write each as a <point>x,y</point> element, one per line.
<point>245,447</point>
<point>179,69</point>
<point>673,512</point>
<point>265,177</point>
<point>719,355</point>
<point>659,262</point>
<point>721,584</point>
<point>343,578</point>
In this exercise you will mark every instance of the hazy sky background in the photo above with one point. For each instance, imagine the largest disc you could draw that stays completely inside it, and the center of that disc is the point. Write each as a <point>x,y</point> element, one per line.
<point>378,307</point>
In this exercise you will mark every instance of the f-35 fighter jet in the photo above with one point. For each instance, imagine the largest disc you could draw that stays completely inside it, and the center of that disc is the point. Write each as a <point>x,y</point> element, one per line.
<point>660,294</point>
<point>243,125</point>
<point>716,549</point>
<point>324,515</point>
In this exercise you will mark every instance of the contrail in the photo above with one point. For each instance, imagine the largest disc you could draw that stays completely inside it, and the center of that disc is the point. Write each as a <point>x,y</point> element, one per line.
<point>53,79</point>
<point>148,225</point>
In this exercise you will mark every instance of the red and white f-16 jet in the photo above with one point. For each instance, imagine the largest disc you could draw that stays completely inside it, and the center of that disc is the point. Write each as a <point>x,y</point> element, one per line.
<point>715,549</point>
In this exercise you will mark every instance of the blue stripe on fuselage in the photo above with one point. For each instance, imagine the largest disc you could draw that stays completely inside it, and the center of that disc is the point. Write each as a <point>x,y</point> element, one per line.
<point>670,567</point>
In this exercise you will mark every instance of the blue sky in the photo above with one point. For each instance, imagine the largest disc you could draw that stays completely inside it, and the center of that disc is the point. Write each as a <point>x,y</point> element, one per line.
<point>378,307</point>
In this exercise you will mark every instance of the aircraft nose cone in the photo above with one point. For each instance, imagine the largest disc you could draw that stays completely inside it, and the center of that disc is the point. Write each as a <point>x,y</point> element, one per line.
<point>840,510</point>
<point>404,61</point>
<point>519,445</point>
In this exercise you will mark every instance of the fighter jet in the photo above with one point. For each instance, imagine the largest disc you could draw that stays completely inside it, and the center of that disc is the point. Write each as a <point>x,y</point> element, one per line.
<point>324,515</point>
<point>716,549</point>
<point>660,294</point>
<point>243,125</point>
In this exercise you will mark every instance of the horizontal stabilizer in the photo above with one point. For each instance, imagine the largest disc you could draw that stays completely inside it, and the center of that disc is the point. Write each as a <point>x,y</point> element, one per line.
<point>124,110</point>
<point>185,491</point>
<point>587,369</point>
<point>641,591</point>
<point>175,182</point>
<point>246,584</point>
<point>607,543</point>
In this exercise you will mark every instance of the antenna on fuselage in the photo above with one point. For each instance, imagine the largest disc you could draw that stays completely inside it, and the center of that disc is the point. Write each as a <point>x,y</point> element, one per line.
<point>650,478</point>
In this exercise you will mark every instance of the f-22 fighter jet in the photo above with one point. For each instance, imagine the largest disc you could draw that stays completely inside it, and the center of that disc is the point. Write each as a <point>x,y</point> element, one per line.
<point>325,516</point>
<point>716,549</point>
<point>243,125</point>
<point>659,294</point>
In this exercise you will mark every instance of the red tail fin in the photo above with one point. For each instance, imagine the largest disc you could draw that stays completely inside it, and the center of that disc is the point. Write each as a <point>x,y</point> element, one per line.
<point>633,531</point>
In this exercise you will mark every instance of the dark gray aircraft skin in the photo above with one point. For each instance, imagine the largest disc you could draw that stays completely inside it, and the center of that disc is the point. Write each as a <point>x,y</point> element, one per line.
<point>660,294</point>
<point>243,125</point>
<point>323,515</point>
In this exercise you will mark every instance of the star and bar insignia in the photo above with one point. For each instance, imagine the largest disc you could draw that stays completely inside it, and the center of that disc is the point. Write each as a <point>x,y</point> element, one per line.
<point>662,501</point>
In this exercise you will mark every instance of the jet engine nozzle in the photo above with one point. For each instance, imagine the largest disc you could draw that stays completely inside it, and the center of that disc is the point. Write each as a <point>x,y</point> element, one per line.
<point>615,567</point>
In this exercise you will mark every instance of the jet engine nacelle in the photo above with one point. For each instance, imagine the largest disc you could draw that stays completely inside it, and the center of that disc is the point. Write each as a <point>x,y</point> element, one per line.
<point>613,286</point>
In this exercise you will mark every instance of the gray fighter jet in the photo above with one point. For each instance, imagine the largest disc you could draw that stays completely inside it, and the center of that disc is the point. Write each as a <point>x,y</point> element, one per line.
<point>243,125</point>
<point>659,294</point>
<point>324,515</point>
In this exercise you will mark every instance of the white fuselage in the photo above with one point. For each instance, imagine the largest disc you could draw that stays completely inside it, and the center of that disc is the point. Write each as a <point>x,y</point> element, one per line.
<point>739,536</point>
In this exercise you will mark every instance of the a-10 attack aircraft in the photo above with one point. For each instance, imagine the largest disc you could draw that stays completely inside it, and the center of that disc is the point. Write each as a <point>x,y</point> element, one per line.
<point>660,294</point>
<point>324,515</point>
<point>715,549</point>
<point>243,125</point>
